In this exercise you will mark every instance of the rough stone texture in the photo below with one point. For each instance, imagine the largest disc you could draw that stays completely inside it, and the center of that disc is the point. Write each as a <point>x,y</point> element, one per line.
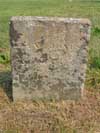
<point>49,57</point>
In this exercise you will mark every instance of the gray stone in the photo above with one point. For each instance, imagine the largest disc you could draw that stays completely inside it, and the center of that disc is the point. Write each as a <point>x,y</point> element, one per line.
<point>48,57</point>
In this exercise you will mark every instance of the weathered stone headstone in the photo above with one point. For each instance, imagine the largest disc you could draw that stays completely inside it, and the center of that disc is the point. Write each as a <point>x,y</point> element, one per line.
<point>49,57</point>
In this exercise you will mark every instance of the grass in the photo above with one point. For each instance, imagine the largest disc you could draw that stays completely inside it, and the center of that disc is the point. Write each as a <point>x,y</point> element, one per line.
<point>65,116</point>
<point>51,117</point>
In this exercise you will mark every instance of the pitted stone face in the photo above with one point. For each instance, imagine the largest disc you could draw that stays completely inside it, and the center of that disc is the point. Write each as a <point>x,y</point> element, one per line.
<point>49,57</point>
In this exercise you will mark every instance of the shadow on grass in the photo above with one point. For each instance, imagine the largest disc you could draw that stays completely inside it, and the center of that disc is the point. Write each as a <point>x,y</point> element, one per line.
<point>6,83</point>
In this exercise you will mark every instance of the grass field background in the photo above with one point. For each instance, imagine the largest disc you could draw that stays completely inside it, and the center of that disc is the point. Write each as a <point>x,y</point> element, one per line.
<point>52,117</point>
<point>77,8</point>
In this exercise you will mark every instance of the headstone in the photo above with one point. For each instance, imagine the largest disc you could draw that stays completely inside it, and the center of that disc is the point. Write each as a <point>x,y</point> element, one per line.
<point>49,57</point>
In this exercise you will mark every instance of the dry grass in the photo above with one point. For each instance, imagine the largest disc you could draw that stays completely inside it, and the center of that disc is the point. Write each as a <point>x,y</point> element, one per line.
<point>51,117</point>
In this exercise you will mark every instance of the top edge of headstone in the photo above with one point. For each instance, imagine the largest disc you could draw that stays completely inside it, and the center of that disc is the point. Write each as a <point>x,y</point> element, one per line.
<point>54,19</point>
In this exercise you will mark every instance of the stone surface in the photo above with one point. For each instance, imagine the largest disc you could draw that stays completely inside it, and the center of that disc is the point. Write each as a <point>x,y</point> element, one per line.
<point>49,57</point>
